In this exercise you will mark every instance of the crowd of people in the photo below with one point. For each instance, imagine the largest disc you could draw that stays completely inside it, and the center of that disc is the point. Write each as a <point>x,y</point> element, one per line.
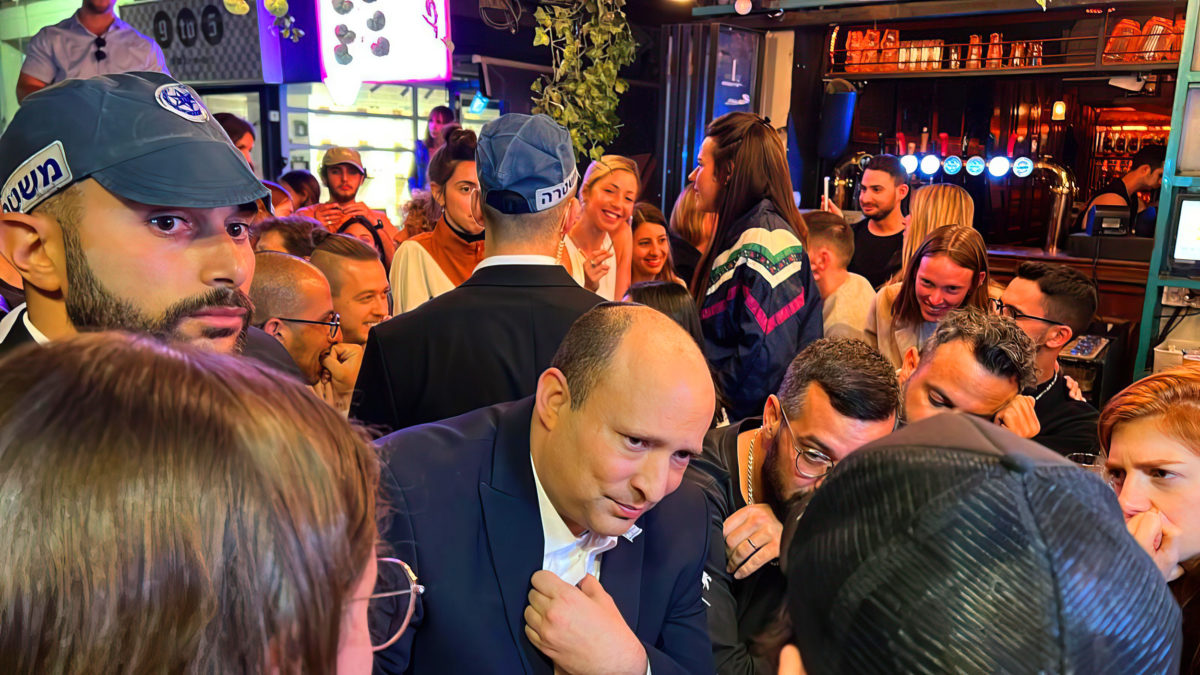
<point>550,428</point>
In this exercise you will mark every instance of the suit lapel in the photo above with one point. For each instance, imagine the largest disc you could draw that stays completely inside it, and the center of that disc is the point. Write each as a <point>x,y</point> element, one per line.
<point>514,526</point>
<point>621,576</point>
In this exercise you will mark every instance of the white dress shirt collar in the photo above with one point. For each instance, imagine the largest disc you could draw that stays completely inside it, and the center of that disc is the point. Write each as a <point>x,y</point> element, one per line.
<point>494,260</point>
<point>568,556</point>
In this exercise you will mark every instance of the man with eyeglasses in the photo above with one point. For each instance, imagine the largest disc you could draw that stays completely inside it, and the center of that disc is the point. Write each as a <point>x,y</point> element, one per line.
<point>90,42</point>
<point>974,363</point>
<point>836,395</point>
<point>1053,303</point>
<point>293,304</point>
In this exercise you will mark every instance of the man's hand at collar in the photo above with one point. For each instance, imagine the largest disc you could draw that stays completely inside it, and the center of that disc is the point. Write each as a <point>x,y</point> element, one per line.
<point>580,628</point>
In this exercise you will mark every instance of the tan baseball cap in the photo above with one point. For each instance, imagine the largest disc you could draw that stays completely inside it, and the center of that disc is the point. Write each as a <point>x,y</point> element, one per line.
<point>340,155</point>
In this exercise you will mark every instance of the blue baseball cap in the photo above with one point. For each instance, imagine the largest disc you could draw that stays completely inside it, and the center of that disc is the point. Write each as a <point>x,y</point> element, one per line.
<point>526,163</point>
<point>142,136</point>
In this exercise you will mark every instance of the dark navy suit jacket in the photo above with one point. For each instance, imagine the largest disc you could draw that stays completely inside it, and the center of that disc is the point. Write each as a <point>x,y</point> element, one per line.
<point>466,518</point>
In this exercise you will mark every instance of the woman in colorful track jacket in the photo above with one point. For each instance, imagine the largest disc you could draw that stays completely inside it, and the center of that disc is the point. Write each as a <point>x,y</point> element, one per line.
<point>759,305</point>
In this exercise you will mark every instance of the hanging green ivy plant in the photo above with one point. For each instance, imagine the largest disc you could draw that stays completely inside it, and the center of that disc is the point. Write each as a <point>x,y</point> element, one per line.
<point>590,41</point>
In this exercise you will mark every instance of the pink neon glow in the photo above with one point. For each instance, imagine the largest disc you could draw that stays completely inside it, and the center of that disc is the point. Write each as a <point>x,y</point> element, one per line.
<point>417,34</point>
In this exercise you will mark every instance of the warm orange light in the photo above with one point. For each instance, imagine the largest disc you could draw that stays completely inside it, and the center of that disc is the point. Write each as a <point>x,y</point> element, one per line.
<point>1059,112</point>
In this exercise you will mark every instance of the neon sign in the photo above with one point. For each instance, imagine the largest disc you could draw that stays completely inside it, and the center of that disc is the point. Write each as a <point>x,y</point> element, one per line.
<point>374,41</point>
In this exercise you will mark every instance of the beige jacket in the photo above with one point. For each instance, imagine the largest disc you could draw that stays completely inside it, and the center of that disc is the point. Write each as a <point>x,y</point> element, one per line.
<point>883,334</point>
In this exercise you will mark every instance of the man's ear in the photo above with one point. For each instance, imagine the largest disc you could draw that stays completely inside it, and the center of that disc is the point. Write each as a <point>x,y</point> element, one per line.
<point>477,205</point>
<point>552,399</point>
<point>901,191</point>
<point>909,363</point>
<point>771,418</point>
<point>276,329</point>
<point>27,242</point>
<point>1058,337</point>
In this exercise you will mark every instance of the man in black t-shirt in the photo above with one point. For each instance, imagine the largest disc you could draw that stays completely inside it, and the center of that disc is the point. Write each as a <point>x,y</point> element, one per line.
<point>879,238</point>
<point>1053,303</point>
<point>1144,175</point>
<point>836,396</point>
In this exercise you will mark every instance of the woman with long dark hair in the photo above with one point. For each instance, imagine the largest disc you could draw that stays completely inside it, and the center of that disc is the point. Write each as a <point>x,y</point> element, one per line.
<point>759,305</point>
<point>439,118</point>
<point>434,262</point>
<point>651,260</point>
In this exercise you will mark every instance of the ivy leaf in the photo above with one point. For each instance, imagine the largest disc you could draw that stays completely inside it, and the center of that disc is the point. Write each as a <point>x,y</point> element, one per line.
<point>589,42</point>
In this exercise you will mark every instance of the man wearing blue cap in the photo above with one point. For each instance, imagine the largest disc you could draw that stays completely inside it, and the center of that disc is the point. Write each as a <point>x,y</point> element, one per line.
<point>487,341</point>
<point>124,206</point>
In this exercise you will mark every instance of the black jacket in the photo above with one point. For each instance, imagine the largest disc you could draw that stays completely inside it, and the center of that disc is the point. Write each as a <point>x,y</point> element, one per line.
<point>738,610</point>
<point>485,342</point>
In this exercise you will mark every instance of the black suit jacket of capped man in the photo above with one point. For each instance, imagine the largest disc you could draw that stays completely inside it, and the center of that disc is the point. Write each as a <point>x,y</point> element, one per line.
<point>485,342</point>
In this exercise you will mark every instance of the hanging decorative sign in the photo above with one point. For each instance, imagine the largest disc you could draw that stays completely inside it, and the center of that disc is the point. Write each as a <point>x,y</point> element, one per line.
<point>372,41</point>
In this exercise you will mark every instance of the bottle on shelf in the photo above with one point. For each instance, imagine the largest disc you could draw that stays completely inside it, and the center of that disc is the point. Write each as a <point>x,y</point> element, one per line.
<point>995,54</point>
<point>975,52</point>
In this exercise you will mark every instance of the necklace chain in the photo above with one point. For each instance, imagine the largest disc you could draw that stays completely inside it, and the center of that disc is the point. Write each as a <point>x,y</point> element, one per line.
<point>1042,393</point>
<point>750,472</point>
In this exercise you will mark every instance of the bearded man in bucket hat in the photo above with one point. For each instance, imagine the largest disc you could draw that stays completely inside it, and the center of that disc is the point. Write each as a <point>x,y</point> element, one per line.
<point>125,206</point>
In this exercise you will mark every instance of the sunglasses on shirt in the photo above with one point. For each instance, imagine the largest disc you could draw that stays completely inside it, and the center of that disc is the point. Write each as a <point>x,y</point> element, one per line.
<point>100,43</point>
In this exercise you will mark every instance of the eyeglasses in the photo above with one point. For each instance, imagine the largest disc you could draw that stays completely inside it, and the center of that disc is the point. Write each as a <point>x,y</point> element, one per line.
<point>1016,314</point>
<point>388,615</point>
<point>810,462</point>
<point>100,43</point>
<point>334,324</point>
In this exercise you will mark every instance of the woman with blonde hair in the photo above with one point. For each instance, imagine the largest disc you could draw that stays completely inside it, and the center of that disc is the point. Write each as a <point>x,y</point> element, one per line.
<point>1150,433</point>
<point>691,231</point>
<point>949,270</point>
<point>929,208</point>
<point>598,251</point>
<point>171,510</point>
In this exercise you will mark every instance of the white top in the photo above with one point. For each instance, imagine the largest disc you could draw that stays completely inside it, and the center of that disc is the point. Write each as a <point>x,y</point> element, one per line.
<point>845,311</point>
<point>415,277</point>
<point>608,282</point>
<point>68,50</point>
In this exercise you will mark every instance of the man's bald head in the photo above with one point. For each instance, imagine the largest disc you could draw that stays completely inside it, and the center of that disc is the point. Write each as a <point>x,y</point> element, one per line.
<point>627,341</point>
<point>283,286</point>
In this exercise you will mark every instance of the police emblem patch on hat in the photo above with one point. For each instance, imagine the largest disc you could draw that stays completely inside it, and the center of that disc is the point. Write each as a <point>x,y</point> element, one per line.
<point>36,179</point>
<point>181,101</point>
